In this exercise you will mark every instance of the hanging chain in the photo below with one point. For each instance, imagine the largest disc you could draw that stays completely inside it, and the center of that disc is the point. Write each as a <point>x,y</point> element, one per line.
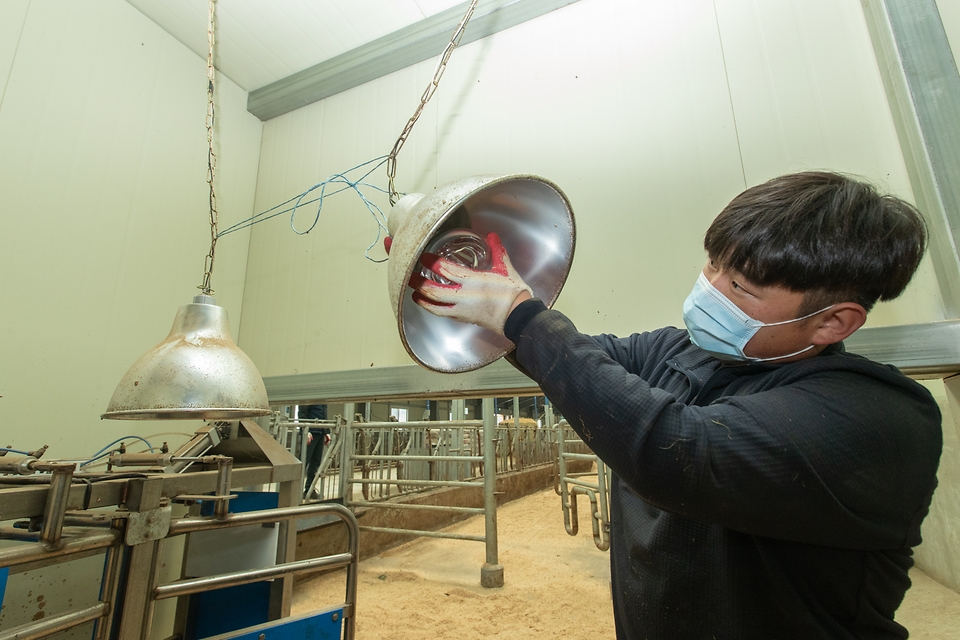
<point>211,156</point>
<point>427,94</point>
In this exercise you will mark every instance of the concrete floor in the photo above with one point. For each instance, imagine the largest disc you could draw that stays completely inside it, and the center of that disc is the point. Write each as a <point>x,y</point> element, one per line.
<point>930,610</point>
<point>556,586</point>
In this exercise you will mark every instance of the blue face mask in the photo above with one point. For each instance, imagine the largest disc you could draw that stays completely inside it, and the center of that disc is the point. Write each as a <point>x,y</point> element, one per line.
<point>719,327</point>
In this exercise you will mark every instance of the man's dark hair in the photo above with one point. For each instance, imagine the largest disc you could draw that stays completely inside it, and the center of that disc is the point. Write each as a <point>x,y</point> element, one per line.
<point>832,237</point>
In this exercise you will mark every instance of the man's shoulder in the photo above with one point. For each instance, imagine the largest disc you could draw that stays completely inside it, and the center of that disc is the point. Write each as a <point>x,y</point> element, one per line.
<point>837,358</point>
<point>857,381</point>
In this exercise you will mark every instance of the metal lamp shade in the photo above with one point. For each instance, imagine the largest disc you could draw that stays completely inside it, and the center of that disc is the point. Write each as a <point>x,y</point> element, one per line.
<point>535,223</point>
<point>197,373</point>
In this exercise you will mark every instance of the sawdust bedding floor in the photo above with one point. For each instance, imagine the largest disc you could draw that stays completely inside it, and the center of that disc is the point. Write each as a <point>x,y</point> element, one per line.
<point>555,585</point>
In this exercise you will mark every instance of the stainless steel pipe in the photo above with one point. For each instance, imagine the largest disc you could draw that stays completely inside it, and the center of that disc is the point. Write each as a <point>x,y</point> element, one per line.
<point>491,574</point>
<point>423,507</point>
<point>431,424</point>
<point>209,583</point>
<point>54,624</point>
<point>199,523</point>
<point>188,525</point>
<point>42,551</point>
<point>421,458</point>
<point>416,483</point>
<point>427,534</point>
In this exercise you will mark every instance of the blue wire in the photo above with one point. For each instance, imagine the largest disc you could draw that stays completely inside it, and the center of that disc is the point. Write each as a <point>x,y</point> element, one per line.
<point>254,219</point>
<point>335,179</point>
<point>97,455</point>
<point>143,440</point>
<point>92,460</point>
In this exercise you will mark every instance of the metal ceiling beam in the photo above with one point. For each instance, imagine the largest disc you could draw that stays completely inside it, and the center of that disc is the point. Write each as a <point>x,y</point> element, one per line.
<point>418,42</point>
<point>929,350</point>
<point>923,89</point>
<point>408,382</point>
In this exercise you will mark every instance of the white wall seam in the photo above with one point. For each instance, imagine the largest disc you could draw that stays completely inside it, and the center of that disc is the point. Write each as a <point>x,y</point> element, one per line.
<point>16,50</point>
<point>733,112</point>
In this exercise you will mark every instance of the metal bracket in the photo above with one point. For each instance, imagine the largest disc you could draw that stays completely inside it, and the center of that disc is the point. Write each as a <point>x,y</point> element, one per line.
<point>144,526</point>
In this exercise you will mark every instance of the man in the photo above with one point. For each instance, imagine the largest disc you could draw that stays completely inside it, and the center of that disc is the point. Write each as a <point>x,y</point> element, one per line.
<point>768,484</point>
<point>318,438</point>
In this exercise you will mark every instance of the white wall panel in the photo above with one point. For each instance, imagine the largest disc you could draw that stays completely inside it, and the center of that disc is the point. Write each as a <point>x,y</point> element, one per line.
<point>808,95</point>
<point>315,299</point>
<point>104,201</point>
<point>623,104</point>
<point>12,14</point>
<point>938,556</point>
<point>650,115</point>
<point>289,35</point>
<point>950,14</point>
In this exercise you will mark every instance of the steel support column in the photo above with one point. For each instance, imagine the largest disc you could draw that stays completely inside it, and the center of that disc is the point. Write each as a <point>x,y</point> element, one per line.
<point>920,76</point>
<point>347,452</point>
<point>491,574</point>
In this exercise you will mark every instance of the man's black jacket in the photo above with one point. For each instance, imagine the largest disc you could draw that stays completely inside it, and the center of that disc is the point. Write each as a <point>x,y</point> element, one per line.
<point>753,501</point>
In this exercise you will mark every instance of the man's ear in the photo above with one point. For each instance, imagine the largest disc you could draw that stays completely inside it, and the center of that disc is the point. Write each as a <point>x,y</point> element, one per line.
<point>839,322</point>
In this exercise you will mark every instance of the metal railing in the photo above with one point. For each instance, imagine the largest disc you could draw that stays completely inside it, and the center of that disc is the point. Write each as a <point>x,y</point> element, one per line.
<point>521,446</point>
<point>349,559</point>
<point>517,447</point>
<point>294,436</point>
<point>401,455</point>
<point>395,458</point>
<point>326,482</point>
<point>73,544</point>
<point>132,538</point>
<point>378,465</point>
<point>405,457</point>
<point>569,485</point>
<point>82,541</point>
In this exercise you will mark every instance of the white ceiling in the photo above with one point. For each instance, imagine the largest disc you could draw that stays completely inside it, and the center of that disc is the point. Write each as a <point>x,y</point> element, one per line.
<point>261,41</point>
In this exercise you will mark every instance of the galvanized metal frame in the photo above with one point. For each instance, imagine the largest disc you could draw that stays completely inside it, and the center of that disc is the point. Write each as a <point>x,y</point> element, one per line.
<point>54,624</point>
<point>142,589</point>
<point>293,436</point>
<point>930,350</point>
<point>398,50</point>
<point>569,486</point>
<point>285,567</point>
<point>126,613</point>
<point>920,76</point>
<point>491,572</point>
<point>391,383</point>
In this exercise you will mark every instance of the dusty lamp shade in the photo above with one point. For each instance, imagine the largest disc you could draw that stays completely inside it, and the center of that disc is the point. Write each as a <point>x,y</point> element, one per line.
<point>197,373</point>
<point>535,223</point>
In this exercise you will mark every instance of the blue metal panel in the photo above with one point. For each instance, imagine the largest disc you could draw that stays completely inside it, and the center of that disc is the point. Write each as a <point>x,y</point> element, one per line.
<point>245,501</point>
<point>230,609</point>
<point>227,610</point>
<point>315,626</point>
<point>3,582</point>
